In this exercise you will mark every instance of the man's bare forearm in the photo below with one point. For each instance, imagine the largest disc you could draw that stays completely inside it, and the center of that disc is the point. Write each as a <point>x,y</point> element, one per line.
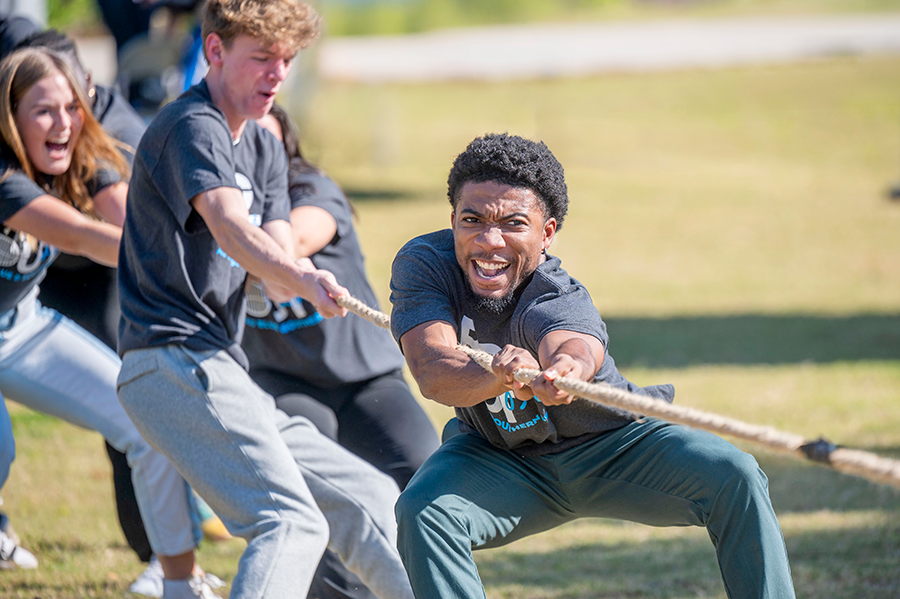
<point>445,374</point>
<point>259,254</point>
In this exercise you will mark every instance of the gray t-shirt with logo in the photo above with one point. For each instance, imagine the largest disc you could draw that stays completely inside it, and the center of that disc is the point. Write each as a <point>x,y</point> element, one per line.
<point>428,284</point>
<point>292,337</point>
<point>176,285</point>
<point>24,260</point>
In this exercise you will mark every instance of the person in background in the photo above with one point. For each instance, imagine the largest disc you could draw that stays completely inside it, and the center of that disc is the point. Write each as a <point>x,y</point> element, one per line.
<point>63,185</point>
<point>150,47</point>
<point>343,374</point>
<point>525,458</point>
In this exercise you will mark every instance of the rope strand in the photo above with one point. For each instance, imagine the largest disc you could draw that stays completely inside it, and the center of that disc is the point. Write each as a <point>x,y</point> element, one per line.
<point>850,461</point>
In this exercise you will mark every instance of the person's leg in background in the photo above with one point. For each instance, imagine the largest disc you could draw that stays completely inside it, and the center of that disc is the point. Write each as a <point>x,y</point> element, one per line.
<point>379,420</point>
<point>127,505</point>
<point>386,426</point>
<point>7,443</point>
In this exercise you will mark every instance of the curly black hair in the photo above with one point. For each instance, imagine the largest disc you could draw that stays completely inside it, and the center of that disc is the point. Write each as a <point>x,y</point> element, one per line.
<point>515,161</point>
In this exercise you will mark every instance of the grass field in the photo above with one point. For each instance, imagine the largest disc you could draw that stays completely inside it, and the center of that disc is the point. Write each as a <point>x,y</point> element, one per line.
<point>734,231</point>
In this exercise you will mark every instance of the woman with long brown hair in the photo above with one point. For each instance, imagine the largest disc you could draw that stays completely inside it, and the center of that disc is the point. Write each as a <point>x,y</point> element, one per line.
<point>62,187</point>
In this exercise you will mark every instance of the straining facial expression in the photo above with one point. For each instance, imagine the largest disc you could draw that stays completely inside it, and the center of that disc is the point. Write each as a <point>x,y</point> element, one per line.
<point>500,234</point>
<point>252,73</point>
<point>49,119</point>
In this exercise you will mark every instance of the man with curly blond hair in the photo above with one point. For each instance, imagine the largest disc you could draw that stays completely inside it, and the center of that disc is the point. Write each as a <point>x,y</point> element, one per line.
<point>208,204</point>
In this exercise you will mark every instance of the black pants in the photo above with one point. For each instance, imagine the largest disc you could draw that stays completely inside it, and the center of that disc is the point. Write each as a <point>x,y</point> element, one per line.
<point>380,421</point>
<point>86,292</point>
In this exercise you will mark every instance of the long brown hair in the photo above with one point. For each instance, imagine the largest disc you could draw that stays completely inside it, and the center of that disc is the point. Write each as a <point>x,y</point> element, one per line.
<point>93,148</point>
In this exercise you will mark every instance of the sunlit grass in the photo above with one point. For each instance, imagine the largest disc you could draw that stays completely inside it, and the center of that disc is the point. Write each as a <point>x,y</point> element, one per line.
<point>744,190</point>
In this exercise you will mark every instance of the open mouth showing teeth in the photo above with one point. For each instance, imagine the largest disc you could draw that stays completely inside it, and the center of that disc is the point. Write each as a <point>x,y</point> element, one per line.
<point>57,145</point>
<point>489,270</point>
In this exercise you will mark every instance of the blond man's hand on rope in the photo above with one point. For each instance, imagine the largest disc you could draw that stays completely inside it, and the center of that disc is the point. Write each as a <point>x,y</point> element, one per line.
<point>319,287</point>
<point>323,289</point>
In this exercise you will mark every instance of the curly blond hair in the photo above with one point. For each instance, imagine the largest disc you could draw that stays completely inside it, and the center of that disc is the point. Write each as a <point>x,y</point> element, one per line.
<point>94,149</point>
<point>291,23</point>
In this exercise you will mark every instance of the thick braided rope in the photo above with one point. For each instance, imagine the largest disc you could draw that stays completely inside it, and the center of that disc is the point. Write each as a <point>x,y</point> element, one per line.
<point>849,461</point>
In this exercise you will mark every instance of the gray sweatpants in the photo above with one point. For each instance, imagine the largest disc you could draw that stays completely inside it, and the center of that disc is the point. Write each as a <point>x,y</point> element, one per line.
<point>51,365</point>
<point>273,479</point>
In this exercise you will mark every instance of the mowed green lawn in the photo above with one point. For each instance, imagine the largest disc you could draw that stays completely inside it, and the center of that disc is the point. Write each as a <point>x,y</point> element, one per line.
<point>734,231</point>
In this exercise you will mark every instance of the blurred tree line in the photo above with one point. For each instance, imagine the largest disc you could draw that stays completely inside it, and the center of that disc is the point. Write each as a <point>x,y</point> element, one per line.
<point>382,17</point>
<point>386,17</point>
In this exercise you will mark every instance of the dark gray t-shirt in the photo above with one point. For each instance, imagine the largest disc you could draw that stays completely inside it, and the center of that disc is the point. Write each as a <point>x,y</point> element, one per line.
<point>427,284</point>
<point>176,285</point>
<point>24,262</point>
<point>292,337</point>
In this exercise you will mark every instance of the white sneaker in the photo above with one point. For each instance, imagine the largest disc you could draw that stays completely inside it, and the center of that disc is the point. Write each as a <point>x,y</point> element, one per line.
<point>6,527</point>
<point>150,582</point>
<point>211,580</point>
<point>12,556</point>
<point>188,589</point>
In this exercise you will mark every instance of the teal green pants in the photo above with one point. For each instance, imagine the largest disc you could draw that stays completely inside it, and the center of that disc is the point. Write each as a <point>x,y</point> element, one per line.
<point>470,495</point>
